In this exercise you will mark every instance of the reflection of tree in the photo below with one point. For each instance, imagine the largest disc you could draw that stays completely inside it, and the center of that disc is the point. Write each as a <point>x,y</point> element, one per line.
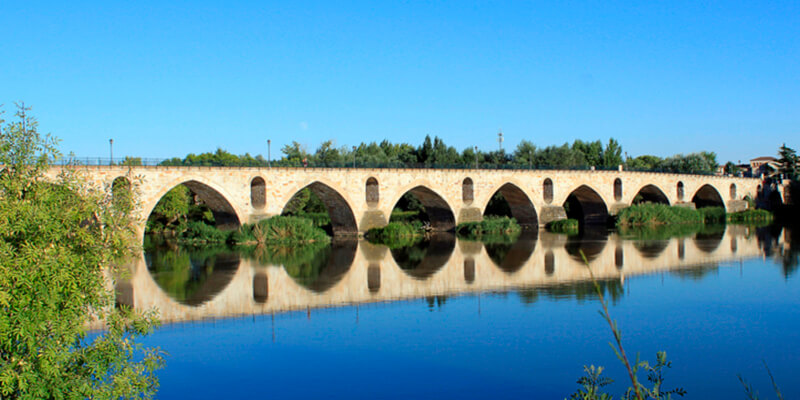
<point>696,273</point>
<point>316,266</point>
<point>436,301</point>
<point>580,291</point>
<point>790,259</point>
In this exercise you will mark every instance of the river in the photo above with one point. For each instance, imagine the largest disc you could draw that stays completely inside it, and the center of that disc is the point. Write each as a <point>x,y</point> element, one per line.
<point>453,318</point>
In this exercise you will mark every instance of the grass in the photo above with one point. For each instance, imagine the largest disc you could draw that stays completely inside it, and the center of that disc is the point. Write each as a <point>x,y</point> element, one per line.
<point>490,226</point>
<point>653,214</point>
<point>396,234</point>
<point>279,230</point>
<point>749,216</point>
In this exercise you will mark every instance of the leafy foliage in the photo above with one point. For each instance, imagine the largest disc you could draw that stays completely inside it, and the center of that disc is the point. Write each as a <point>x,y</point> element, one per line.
<point>567,226</point>
<point>59,239</point>
<point>490,225</point>
<point>280,230</point>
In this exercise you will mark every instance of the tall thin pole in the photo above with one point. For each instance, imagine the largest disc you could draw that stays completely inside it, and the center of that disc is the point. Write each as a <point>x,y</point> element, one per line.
<point>111,150</point>
<point>530,159</point>
<point>476,157</point>
<point>269,151</point>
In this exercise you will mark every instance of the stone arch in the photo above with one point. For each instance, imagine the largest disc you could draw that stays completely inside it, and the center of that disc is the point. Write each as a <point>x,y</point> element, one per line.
<point>258,192</point>
<point>547,190</point>
<point>225,214</point>
<point>707,196</point>
<point>679,191</point>
<point>650,194</point>
<point>617,189</point>
<point>439,212</point>
<point>733,191</point>
<point>467,191</point>
<point>121,194</point>
<point>372,192</point>
<point>343,221</point>
<point>586,205</point>
<point>521,207</point>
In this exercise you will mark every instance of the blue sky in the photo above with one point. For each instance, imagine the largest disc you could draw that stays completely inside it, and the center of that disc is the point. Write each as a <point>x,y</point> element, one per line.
<point>166,79</point>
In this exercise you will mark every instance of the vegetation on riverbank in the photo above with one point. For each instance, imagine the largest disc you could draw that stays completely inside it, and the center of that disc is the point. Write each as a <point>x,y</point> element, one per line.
<point>279,230</point>
<point>397,234</point>
<point>565,226</point>
<point>653,215</point>
<point>60,242</point>
<point>489,226</point>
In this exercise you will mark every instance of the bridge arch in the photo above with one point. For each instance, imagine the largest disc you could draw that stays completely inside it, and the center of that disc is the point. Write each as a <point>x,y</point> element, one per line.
<point>373,193</point>
<point>343,220</point>
<point>519,204</point>
<point>467,191</point>
<point>214,197</point>
<point>547,190</point>
<point>618,189</point>
<point>258,192</point>
<point>587,206</point>
<point>650,194</point>
<point>438,209</point>
<point>707,196</point>
<point>679,191</point>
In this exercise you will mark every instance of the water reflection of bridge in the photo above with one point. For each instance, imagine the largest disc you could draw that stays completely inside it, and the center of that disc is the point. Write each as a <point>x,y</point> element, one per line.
<point>366,273</point>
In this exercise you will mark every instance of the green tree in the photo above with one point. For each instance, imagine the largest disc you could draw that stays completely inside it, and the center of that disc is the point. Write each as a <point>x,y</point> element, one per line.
<point>59,240</point>
<point>612,155</point>
<point>788,160</point>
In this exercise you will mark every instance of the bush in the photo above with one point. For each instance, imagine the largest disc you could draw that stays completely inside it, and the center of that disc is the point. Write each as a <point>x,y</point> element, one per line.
<point>658,214</point>
<point>491,225</point>
<point>713,215</point>
<point>200,232</point>
<point>749,216</point>
<point>396,234</point>
<point>279,230</point>
<point>568,226</point>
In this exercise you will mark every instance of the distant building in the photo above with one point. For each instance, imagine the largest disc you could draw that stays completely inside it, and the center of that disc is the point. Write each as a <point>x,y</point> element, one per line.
<point>764,166</point>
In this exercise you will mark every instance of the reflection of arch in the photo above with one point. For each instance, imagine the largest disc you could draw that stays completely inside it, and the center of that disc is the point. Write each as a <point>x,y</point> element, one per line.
<point>373,192</point>
<point>207,275</point>
<point>373,278</point>
<point>591,244</point>
<point>258,192</point>
<point>585,205</point>
<point>520,205</point>
<point>679,191</point>
<point>619,257</point>
<point>707,196</point>
<point>439,212</point>
<point>651,248</point>
<point>511,257</point>
<point>651,194</point>
<point>549,263</point>
<point>260,288</point>
<point>469,270</point>
<point>467,191</point>
<point>708,242</point>
<point>617,189</point>
<point>330,266</point>
<point>342,219</point>
<point>547,190</point>
<point>423,259</point>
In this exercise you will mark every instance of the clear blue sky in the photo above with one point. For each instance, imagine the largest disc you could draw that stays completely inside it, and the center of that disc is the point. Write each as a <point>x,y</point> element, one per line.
<point>166,78</point>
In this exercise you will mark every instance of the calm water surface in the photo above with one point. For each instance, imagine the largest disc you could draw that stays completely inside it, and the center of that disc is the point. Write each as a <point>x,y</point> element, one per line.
<point>457,319</point>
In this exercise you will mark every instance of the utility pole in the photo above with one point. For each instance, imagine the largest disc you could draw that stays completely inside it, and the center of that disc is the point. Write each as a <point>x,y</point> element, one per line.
<point>269,151</point>
<point>111,150</point>
<point>500,138</point>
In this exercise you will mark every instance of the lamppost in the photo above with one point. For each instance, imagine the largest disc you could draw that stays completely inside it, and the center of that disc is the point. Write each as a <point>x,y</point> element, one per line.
<point>354,156</point>
<point>476,157</point>
<point>269,151</point>
<point>530,159</point>
<point>500,139</point>
<point>111,150</point>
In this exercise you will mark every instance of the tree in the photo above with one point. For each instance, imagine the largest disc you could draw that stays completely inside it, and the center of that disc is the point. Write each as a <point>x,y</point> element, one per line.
<point>59,241</point>
<point>612,155</point>
<point>788,161</point>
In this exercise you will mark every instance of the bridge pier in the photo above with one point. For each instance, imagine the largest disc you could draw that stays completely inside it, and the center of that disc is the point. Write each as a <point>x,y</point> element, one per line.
<point>550,213</point>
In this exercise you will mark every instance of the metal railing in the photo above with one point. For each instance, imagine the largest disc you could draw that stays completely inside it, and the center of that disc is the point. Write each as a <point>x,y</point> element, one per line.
<point>175,162</point>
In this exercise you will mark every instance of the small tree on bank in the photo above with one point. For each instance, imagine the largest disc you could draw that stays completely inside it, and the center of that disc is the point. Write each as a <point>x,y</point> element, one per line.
<point>59,241</point>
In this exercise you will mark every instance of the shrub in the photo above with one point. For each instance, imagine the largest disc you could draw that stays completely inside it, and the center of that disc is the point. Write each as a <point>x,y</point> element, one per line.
<point>749,216</point>
<point>658,214</point>
<point>396,234</point>
<point>280,230</point>
<point>200,232</point>
<point>491,225</point>
<point>713,214</point>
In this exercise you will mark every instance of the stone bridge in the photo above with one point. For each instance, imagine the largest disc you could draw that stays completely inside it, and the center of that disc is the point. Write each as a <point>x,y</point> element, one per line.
<point>365,273</point>
<point>360,199</point>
